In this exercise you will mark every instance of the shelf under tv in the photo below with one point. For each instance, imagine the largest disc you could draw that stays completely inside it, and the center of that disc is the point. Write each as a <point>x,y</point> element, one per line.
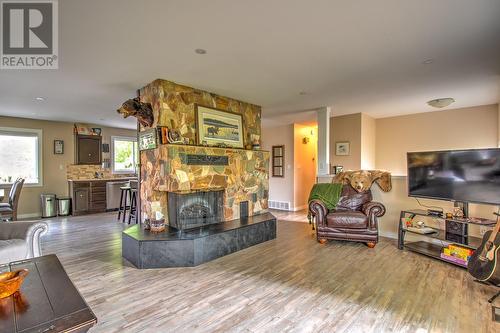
<point>434,250</point>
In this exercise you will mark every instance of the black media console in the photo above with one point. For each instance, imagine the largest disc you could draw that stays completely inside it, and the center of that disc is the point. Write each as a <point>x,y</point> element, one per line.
<point>456,231</point>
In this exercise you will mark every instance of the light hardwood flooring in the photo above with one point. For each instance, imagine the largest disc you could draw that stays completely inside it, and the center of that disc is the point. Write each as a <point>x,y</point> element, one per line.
<point>291,284</point>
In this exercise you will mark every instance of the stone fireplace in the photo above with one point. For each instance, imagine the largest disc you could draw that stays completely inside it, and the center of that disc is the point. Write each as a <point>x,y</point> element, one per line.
<point>214,199</point>
<point>191,209</point>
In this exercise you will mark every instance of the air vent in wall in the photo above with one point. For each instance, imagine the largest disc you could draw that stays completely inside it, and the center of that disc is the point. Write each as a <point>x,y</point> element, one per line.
<point>281,205</point>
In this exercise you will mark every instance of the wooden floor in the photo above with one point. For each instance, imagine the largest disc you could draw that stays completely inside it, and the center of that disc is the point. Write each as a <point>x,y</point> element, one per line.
<point>291,284</point>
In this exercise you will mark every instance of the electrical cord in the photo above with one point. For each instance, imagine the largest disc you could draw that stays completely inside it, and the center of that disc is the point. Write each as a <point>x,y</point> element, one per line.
<point>426,206</point>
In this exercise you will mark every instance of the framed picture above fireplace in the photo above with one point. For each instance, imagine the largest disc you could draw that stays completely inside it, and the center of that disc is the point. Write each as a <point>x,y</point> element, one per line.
<point>218,128</point>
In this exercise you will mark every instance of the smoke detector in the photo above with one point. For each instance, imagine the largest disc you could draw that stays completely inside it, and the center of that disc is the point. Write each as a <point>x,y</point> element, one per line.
<point>441,102</point>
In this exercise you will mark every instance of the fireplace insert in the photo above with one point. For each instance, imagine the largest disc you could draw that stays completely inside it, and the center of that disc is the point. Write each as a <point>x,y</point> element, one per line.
<point>192,209</point>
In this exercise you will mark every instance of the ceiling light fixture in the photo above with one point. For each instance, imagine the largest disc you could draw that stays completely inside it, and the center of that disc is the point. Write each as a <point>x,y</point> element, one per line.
<point>200,51</point>
<point>441,102</point>
<point>302,93</point>
<point>427,61</point>
<point>40,99</point>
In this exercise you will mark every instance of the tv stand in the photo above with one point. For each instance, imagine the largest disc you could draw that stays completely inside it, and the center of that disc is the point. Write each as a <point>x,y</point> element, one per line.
<point>456,232</point>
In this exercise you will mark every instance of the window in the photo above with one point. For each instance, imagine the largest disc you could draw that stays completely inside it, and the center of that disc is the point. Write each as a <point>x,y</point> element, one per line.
<point>20,155</point>
<point>124,154</point>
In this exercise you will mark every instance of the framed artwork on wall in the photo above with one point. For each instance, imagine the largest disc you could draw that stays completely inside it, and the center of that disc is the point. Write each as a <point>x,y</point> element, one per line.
<point>58,147</point>
<point>342,148</point>
<point>278,161</point>
<point>218,128</point>
<point>147,139</point>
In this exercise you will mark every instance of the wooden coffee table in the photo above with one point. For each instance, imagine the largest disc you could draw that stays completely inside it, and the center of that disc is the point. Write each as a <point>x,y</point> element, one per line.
<point>47,302</point>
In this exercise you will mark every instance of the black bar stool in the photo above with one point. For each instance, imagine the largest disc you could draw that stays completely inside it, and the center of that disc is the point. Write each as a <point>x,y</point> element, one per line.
<point>133,206</point>
<point>124,194</point>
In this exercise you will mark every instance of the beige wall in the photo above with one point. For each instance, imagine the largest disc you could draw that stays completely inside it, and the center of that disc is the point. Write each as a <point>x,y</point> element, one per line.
<point>346,128</point>
<point>304,164</point>
<point>281,188</point>
<point>54,166</point>
<point>368,142</point>
<point>475,127</point>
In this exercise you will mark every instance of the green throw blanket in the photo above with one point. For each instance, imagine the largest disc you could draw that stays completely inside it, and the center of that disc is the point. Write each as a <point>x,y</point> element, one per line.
<point>329,194</point>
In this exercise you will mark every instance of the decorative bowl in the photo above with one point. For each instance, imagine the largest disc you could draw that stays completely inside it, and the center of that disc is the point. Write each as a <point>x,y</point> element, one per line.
<point>157,225</point>
<point>10,282</point>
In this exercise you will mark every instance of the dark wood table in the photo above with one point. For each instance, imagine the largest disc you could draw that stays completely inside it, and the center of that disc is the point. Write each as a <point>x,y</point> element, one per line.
<point>47,302</point>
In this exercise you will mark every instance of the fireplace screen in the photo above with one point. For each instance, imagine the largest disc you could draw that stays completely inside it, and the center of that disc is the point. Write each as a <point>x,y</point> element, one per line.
<point>188,210</point>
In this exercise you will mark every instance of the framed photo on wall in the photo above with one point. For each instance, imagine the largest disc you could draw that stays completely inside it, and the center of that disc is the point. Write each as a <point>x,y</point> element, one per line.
<point>147,139</point>
<point>58,147</point>
<point>342,148</point>
<point>278,161</point>
<point>218,128</point>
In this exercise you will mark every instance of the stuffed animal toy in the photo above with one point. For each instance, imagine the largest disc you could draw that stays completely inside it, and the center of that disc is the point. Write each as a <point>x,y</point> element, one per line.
<point>142,111</point>
<point>362,180</point>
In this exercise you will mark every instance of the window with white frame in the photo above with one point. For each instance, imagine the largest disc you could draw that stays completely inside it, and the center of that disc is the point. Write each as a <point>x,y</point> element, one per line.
<point>20,155</point>
<point>124,154</point>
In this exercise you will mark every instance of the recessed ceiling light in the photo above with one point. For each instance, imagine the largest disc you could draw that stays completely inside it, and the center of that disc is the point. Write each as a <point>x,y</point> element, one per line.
<point>40,99</point>
<point>441,102</point>
<point>200,51</point>
<point>428,61</point>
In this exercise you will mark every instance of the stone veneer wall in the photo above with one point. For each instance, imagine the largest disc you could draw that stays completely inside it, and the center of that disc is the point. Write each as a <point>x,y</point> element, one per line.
<point>87,171</point>
<point>174,107</point>
<point>245,178</point>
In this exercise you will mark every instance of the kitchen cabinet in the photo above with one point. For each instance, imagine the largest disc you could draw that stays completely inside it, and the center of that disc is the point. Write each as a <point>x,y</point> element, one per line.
<point>97,199</point>
<point>88,149</point>
<point>80,199</point>
<point>91,196</point>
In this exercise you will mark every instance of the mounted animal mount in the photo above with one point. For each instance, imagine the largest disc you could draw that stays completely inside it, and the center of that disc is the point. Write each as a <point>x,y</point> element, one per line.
<point>135,108</point>
<point>362,180</point>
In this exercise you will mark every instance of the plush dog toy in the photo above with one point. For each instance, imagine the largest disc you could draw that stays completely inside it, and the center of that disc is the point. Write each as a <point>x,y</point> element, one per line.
<point>142,111</point>
<point>362,180</point>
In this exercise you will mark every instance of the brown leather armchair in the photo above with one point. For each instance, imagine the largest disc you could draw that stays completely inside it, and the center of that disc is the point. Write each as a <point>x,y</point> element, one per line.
<point>355,218</point>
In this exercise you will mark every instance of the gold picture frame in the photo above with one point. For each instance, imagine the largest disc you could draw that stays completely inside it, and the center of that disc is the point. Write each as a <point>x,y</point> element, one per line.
<point>216,127</point>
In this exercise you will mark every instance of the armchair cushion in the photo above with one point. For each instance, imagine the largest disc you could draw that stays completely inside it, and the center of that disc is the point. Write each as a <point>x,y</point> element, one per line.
<point>13,250</point>
<point>13,233</point>
<point>352,200</point>
<point>347,219</point>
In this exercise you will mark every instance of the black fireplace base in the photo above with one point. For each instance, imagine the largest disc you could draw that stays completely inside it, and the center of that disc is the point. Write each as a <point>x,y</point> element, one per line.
<point>174,248</point>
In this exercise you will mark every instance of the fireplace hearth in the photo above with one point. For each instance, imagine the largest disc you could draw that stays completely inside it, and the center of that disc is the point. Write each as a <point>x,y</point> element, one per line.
<point>192,209</point>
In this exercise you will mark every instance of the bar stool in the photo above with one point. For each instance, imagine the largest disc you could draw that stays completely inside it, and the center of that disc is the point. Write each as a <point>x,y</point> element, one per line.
<point>124,194</point>
<point>133,206</point>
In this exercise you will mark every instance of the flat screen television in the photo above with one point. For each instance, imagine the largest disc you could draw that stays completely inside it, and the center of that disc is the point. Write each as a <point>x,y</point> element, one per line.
<point>455,175</point>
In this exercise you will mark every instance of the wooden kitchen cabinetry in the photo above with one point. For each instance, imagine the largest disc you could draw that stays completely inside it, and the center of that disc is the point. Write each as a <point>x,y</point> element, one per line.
<point>88,196</point>
<point>88,149</point>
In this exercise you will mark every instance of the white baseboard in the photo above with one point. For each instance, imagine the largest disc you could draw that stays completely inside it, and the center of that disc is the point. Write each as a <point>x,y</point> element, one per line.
<point>29,216</point>
<point>392,235</point>
<point>297,208</point>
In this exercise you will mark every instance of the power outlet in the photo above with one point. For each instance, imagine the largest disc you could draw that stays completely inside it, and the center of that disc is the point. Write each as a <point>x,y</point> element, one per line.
<point>482,230</point>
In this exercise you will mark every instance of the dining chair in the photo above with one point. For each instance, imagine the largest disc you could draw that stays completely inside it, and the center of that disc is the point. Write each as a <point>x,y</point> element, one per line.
<point>9,209</point>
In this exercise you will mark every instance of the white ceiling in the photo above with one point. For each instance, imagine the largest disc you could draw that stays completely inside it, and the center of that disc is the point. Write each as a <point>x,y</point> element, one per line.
<point>356,56</point>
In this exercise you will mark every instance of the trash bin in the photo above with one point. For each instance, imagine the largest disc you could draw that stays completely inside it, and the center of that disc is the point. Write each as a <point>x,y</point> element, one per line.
<point>63,206</point>
<point>48,205</point>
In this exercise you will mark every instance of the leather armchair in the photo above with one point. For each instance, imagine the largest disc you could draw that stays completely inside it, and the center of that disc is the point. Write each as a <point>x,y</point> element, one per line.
<point>355,218</point>
<point>20,240</point>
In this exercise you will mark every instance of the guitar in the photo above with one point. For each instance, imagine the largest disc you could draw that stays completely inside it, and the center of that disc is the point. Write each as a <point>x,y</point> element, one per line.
<point>484,263</point>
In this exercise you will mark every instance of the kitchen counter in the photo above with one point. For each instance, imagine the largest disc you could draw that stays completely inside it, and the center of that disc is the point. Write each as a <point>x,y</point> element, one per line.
<point>101,179</point>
